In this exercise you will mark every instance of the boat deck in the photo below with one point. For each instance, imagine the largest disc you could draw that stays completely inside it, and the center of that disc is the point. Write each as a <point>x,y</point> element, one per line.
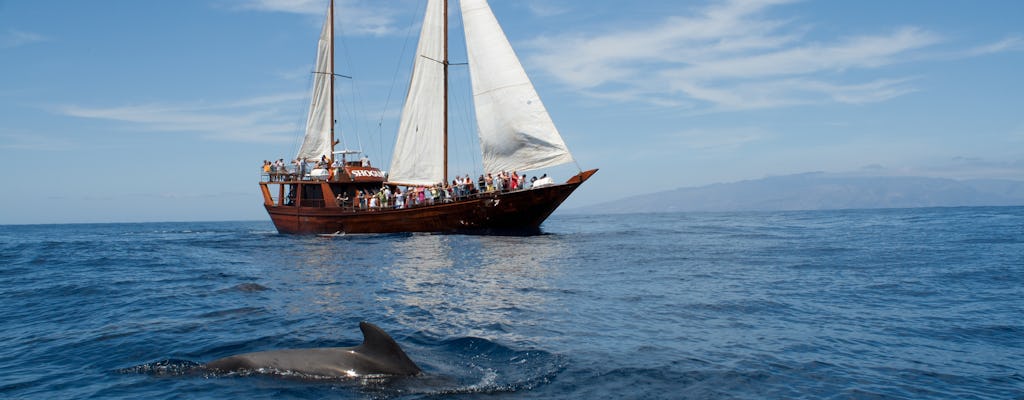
<point>319,211</point>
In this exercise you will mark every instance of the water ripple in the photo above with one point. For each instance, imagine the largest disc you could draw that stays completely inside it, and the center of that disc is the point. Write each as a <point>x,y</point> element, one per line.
<point>840,304</point>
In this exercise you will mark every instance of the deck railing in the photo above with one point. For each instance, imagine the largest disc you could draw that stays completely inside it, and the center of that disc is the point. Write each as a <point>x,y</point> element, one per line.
<point>349,206</point>
<point>287,175</point>
<point>352,205</point>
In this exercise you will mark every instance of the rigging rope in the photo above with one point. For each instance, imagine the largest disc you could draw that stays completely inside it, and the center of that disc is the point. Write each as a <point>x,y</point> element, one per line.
<point>394,78</point>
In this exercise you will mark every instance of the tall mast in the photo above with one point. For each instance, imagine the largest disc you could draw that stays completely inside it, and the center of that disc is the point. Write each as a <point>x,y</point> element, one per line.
<point>445,91</point>
<point>331,17</point>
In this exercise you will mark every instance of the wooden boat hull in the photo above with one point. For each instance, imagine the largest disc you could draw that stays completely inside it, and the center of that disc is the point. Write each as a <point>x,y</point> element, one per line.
<point>518,213</point>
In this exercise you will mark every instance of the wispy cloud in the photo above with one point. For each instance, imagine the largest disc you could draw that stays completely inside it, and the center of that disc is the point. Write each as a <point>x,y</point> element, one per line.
<point>720,139</point>
<point>16,38</point>
<point>142,195</point>
<point>292,6</point>
<point>547,8</point>
<point>33,143</point>
<point>956,168</point>
<point>731,55</point>
<point>260,119</point>
<point>1013,43</point>
<point>354,17</point>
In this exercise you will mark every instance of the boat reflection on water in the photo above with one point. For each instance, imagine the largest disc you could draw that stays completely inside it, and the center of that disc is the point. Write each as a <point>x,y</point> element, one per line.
<point>444,285</point>
<point>339,276</point>
<point>475,285</point>
<point>322,279</point>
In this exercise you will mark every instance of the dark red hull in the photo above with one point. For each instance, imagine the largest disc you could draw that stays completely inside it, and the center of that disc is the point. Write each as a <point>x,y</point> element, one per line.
<point>517,212</point>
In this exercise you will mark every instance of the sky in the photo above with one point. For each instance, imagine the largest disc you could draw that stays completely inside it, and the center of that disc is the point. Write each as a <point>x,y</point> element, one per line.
<point>135,111</point>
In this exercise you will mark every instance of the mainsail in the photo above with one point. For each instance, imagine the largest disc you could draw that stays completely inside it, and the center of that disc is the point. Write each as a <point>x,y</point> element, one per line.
<point>318,125</point>
<point>516,132</point>
<point>418,157</point>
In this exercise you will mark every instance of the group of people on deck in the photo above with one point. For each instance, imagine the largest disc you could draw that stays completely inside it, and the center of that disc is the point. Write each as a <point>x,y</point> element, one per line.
<point>278,171</point>
<point>398,197</point>
<point>414,196</point>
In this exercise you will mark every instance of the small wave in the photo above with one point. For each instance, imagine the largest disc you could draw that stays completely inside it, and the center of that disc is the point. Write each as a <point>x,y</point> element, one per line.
<point>167,367</point>
<point>232,312</point>
<point>990,240</point>
<point>248,287</point>
<point>468,365</point>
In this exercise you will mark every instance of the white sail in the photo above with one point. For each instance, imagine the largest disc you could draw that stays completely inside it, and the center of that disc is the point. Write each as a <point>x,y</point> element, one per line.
<point>418,158</point>
<point>516,132</point>
<point>318,125</point>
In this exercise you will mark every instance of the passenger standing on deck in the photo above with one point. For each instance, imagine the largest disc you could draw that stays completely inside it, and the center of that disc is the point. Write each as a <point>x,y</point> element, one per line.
<point>399,198</point>
<point>282,169</point>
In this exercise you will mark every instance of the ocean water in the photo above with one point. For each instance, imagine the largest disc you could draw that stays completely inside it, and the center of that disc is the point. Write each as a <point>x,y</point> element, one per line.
<point>902,304</point>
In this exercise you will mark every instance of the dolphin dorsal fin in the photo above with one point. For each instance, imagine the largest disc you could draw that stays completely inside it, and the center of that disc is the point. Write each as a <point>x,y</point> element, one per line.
<point>377,343</point>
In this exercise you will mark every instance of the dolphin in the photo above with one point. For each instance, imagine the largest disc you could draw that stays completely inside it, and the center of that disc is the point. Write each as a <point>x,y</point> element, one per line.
<point>378,355</point>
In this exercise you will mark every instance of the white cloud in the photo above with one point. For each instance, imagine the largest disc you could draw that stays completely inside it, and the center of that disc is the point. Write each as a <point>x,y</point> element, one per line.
<point>547,8</point>
<point>960,167</point>
<point>15,38</point>
<point>259,119</point>
<point>588,61</point>
<point>292,6</point>
<point>731,55</point>
<point>1013,43</point>
<point>34,143</point>
<point>862,52</point>
<point>769,93</point>
<point>354,17</point>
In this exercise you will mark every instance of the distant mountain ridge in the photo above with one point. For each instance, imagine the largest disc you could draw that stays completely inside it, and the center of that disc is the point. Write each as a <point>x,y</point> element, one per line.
<point>821,191</point>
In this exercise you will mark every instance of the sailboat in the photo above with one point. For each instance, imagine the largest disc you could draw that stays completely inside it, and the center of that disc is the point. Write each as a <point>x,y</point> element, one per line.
<point>345,194</point>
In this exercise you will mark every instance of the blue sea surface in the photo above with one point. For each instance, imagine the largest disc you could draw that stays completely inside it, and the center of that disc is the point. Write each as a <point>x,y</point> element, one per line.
<point>902,304</point>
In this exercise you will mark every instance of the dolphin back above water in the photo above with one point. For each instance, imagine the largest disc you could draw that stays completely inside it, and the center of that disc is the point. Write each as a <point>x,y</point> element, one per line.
<point>378,355</point>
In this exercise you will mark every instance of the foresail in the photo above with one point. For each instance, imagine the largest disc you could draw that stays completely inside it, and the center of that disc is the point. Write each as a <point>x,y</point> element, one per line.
<point>418,157</point>
<point>516,132</point>
<point>317,142</point>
